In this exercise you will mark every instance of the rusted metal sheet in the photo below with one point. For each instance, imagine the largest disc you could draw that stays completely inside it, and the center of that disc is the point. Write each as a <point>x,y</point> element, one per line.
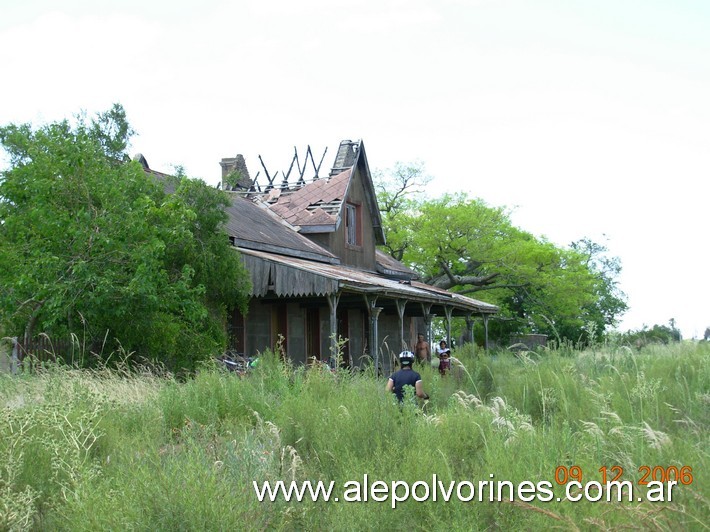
<point>254,227</point>
<point>290,281</point>
<point>284,280</point>
<point>260,271</point>
<point>291,276</point>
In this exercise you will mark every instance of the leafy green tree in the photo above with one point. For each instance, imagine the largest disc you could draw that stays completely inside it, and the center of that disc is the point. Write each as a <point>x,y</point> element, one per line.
<point>609,302</point>
<point>398,191</point>
<point>463,244</point>
<point>91,245</point>
<point>657,334</point>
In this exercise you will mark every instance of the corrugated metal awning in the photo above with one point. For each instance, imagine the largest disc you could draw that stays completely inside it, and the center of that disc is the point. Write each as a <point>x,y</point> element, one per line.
<point>293,277</point>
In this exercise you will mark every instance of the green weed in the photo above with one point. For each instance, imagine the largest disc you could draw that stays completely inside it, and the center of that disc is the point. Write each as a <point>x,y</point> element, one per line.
<point>117,449</point>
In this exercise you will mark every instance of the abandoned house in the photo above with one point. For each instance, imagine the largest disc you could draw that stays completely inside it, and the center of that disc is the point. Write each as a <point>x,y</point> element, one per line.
<point>317,275</point>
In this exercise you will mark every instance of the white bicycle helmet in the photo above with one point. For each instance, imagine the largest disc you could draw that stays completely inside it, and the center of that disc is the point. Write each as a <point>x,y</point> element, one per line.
<point>406,358</point>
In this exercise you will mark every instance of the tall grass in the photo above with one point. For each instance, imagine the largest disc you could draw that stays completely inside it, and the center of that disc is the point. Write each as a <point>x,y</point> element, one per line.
<point>139,450</point>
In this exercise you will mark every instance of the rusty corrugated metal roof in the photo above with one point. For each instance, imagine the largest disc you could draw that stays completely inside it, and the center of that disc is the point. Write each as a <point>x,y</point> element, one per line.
<point>390,266</point>
<point>254,227</point>
<point>350,279</point>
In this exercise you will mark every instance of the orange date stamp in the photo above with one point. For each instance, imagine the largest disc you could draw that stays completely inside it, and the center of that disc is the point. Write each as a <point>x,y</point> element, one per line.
<point>681,475</point>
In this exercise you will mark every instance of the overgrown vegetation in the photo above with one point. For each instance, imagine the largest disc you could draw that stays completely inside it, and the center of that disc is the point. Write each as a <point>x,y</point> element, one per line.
<point>108,449</point>
<point>657,334</point>
<point>94,248</point>
<point>463,244</point>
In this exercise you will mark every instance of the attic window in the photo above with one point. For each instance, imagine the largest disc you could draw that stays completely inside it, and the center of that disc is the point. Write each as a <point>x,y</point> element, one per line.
<point>353,224</point>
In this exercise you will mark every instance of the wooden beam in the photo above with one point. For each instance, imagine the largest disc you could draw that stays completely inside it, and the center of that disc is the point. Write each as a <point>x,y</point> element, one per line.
<point>485,329</point>
<point>374,337</point>
<point>271,179</point>
<point>426,312</point>
<point>321,161</point>
<point>333,305</point>
<point>401,304</point>
<point>447,312</point>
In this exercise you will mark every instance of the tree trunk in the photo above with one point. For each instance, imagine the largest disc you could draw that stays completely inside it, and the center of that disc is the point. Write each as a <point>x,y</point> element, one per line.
<point>29,328</point>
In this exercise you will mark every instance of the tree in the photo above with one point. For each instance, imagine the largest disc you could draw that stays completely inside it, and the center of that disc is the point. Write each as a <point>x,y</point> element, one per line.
<point>609,302</point>
<point>463,244</point>
<point>398,190</point>
<point>92,245</point>
<point>658,334</point>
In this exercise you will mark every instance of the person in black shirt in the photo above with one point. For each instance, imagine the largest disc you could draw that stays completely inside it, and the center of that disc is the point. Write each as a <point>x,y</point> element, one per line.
<point>406,376</point>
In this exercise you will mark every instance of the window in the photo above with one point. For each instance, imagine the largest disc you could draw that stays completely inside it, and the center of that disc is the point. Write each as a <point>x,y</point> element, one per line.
<point>353,231</point>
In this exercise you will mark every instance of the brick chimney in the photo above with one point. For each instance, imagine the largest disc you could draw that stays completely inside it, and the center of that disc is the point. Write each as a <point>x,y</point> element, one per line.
<point>345,158</point>
<point>234,170</point>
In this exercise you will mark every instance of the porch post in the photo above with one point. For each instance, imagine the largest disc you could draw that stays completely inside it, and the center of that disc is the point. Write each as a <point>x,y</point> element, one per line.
<point>333,305</point>
<point>485,329</point>
<point>448,311</point>
<point>374,338</point>
<point>426,311</point>
<point>370,302</point>
<point>401,303</point>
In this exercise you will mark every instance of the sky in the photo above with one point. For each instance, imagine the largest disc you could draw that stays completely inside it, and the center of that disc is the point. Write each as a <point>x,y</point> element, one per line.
<point>586,118</point>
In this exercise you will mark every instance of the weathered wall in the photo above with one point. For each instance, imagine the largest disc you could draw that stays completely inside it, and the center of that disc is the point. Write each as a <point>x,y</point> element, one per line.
<point>356,341</point>
<point>261,332</point>
<point>296,333</point>
<point>258,328</point>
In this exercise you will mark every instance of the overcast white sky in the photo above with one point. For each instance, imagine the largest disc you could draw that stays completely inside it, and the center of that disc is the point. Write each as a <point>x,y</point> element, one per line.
<point>588,117</point>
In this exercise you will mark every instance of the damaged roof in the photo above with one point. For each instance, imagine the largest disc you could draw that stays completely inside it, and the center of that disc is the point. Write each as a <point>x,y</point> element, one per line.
<point>251,225</point>
<point>317,204</point>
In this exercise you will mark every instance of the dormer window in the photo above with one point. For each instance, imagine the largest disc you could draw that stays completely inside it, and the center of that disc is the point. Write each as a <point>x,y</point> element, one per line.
<point>353,224</point>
